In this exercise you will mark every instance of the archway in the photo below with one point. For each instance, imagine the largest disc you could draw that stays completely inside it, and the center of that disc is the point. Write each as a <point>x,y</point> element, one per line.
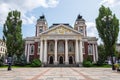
<point>61,60</point>
<point>70,60</point>
<point>51,60</point>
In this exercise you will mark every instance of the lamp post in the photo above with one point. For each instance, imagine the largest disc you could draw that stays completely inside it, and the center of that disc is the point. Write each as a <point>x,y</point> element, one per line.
<point>9,61</point>
<point>107,20</point>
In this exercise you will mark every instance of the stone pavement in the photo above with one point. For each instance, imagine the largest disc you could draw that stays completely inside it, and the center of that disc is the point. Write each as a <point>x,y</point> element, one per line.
<point>59,74</point>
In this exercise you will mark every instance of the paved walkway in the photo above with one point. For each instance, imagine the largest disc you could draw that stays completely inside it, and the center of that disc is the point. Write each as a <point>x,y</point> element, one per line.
<point>59,74</point>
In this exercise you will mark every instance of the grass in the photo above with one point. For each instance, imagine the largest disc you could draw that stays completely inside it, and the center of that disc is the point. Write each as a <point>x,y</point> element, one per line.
<point>26,66</point>
<point>29,66</point>
<point>105,65</point>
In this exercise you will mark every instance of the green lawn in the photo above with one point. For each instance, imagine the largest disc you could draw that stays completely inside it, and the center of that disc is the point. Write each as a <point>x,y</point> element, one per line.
<point>15,66</point>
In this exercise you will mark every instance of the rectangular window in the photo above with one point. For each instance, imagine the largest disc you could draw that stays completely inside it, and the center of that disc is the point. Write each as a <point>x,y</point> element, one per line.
<point>32,49</point>
<point>38,49</point>
<point>90,49</point>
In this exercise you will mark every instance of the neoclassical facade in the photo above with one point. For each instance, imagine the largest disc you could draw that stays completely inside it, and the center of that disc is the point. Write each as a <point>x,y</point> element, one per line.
<point>3,48</point>
<point>61,43</point>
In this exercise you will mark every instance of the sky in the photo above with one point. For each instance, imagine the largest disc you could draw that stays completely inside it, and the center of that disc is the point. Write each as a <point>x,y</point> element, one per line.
<point>56,11</point>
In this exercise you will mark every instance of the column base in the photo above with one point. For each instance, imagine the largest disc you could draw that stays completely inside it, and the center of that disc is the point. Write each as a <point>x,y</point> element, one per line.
<point>55,62</point>
<point>77,62</point>
<point>80,65</point>
<point>45,63</point>
<point>66,63</point>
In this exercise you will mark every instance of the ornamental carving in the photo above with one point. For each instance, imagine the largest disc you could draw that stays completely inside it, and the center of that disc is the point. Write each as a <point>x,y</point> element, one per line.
<point>60,30</point>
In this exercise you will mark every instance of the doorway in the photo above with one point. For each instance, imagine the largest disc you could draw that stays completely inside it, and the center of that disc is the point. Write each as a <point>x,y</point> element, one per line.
<point>70,60</point>
<point>51,60</point>
<point>61,60</point>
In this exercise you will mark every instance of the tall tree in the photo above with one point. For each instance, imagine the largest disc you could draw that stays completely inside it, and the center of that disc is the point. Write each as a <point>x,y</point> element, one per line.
<point>101,54</point>
<point>108,28</point>
<point>12,34</point>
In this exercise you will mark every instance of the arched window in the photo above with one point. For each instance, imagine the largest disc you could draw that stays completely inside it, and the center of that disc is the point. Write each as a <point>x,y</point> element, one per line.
<point>61,47</point>
<point>71,46</point>
<point>38,47</point>
<point>32,49</point>
<point>81,29</point>
<point>90,49</point>
<point>51,46</point>
<point>40,30</point>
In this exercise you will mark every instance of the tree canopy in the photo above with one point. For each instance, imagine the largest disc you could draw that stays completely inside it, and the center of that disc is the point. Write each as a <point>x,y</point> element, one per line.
<point>12,34</point>
<point>107,26</point>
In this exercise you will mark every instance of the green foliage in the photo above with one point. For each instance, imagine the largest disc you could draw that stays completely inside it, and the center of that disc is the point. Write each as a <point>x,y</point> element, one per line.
<point>87,63</point>
<point>89,59</point>
<point>36,63</point>
<point>102,56</point>
<point>21,61</point>
<point>108,28</point>
<point>1,61</point>
<point>12,34</point>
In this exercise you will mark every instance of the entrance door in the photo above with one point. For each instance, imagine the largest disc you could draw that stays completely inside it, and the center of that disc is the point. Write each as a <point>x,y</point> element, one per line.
<point>51,59</point>
<point>61,60</point>
<point>70,60</point>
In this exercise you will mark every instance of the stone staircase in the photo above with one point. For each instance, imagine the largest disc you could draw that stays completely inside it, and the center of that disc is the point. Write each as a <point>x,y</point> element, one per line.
<point>62,65</point>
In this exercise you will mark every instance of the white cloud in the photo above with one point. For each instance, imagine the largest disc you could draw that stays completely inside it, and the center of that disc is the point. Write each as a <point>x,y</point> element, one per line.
<point>24,6</point>
<point>110,3</point>
<point>91,29</point>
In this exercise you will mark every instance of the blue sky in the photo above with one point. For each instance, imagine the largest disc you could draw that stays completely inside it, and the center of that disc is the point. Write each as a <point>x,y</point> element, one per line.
<point>56,11</point>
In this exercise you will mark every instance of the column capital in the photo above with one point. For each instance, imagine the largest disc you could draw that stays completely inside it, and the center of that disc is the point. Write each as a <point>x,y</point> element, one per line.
<point>66,39</point>
<point>76,39</point>
<point>41,39</point>
<point>45,39</point>
<point>55,39</point>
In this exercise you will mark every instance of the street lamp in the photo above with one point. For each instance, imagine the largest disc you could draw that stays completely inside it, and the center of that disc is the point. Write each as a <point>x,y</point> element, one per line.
<point>108,19</point>
<point>9,61</point>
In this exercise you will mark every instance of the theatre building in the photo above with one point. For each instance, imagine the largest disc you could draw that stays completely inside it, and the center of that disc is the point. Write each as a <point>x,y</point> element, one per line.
<point>61,43</point>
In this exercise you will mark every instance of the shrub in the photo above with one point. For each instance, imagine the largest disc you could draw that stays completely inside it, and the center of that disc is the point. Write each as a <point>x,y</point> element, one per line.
<point>116,66</point>
<point>89,58</point>
<point>87,63</point>
<point>1,61</point>
<point>36,63</point>
<point>21,61</point>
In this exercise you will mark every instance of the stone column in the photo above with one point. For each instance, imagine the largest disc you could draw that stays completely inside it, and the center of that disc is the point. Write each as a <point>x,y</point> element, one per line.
<point>55,54</point>
<point>45,52</point>
<point>28,52</point>
<point>26,49</point>
<point>81,52</point>
<point>76,52</point>
<point>96,52</point>
<point>93,53</point>
<point>41,50</point>
<point>66,51</point>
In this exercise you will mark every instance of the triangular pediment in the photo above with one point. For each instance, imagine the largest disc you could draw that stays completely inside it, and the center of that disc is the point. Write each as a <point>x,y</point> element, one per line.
<point>61,29</point>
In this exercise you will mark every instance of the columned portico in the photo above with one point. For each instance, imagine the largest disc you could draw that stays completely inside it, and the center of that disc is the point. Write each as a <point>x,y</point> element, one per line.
<point>81,52</point>
<point>28,52</point>
<point>76,52</point>
<point>55,54</point>
<point>26,47</point>
<point>94,53</point>
<point>45,51</point>
<point>41,50</point>
<point>66,51</point>
<point>61,43</point>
